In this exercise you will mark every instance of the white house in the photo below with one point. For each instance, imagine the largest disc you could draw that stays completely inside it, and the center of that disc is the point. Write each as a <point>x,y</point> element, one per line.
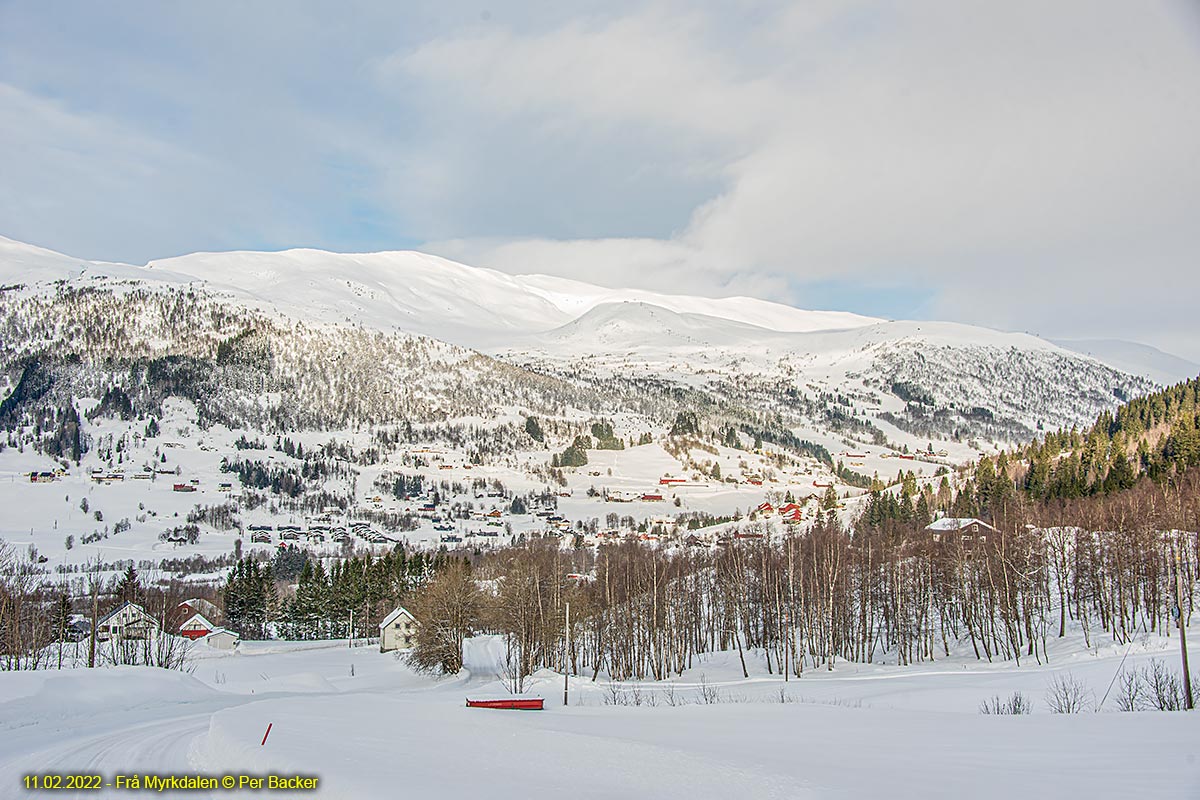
<point>126,621</point>
<point>397,631</point>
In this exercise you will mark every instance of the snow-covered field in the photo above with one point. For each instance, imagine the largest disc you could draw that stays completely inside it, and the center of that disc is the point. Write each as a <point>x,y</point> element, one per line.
<point>368,727</point>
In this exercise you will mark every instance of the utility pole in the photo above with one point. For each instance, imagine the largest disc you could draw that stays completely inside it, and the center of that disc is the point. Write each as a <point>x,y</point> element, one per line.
<point>1179,617</point>
<point>351,644</point>
<point>567,655</point>
<point>95,611</point>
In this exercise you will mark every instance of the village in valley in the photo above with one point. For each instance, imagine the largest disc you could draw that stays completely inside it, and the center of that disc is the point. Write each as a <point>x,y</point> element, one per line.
<point>795,401</point>
<point>180,494</point>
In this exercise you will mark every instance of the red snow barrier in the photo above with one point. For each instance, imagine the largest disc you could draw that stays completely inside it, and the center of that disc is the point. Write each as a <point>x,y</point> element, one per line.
<point>512,703</point>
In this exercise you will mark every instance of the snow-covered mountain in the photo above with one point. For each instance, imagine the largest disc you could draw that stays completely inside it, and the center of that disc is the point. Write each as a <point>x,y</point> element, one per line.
<point>826,375</point>
<point>403,290</point>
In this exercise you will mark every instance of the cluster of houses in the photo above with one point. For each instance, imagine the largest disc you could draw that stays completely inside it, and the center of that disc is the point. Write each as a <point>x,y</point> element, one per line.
<point>193,619</point>
<point>318,531</point>
<point>130,621</point>
<point>789,513</point>
<point>103,477</point>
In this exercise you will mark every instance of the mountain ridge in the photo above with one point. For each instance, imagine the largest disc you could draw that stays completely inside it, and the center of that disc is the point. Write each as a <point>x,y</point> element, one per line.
<point>489,310</point>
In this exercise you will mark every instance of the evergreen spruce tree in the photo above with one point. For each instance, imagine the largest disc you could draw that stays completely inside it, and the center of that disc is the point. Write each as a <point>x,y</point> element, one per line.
<point>534,429</point>
<point>129,589</point>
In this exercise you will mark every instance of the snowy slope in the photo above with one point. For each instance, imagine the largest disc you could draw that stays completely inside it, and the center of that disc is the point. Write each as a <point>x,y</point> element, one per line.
<point>404,290</point>
<point>576,297</point>
<point>630,324</point>
<point>1134,358</point>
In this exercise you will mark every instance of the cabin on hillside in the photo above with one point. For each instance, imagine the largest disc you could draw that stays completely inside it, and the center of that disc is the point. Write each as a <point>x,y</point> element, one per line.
<point>967,527</point>
<point>397,631</point>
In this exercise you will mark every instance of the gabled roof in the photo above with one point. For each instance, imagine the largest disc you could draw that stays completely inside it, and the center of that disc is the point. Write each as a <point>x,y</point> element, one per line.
<point>197,618</point>
<point>956,524</point>
<point>392,617</point>
<point>215,631</point>
<point>140,611</point>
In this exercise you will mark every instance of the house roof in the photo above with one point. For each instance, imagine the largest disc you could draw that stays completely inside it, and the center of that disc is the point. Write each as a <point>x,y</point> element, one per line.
<point>216,631</point>
<point>141,612</point>
<point>198,618</point>
<point>392,617</point>
<point>956,524</point>
<point>201,605</point>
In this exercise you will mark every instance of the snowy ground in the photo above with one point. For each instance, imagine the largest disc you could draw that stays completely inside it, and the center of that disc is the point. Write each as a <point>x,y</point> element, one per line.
<point>368,727</point>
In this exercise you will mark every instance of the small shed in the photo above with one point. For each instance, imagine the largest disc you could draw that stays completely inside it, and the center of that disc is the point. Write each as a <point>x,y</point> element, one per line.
<point>397,631</point>
<point>222,639</point>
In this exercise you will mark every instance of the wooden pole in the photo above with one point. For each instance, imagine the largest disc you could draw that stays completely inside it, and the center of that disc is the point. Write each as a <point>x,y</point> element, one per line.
<point>567,655</point>
<point>1179,617</point>
<point>95,610</point>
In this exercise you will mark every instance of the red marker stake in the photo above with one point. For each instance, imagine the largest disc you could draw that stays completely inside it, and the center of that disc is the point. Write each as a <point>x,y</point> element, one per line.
<point>268,733</point>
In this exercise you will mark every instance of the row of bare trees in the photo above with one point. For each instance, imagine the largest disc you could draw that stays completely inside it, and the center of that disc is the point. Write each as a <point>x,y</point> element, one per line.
<point>1104,567</point>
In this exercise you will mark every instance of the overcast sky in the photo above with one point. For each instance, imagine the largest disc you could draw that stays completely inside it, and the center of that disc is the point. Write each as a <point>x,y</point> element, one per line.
<point>1023,165</point>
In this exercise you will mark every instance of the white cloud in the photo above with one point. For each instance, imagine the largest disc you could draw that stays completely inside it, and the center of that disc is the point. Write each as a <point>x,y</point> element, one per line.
<point>1041,146</point>
<point>1032,165</point>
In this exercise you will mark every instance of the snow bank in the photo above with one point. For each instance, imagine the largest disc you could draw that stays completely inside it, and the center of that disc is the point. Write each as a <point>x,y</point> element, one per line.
<point>62,694</point>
